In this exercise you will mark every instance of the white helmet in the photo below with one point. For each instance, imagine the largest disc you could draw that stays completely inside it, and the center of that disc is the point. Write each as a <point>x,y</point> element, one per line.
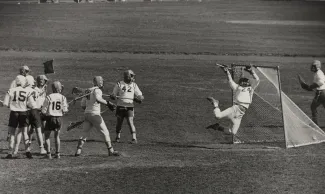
<point>30,81</point>
<point>57,87</point>
<point>21,81</point>
<point>98,81</point>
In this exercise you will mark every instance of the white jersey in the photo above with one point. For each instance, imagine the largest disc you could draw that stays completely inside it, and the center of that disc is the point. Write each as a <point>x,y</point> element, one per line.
<point>242,95</point>
<point>319,79</point>
<point>55,105</point>
<point>13,84</point>
<point>126,93</point>
<point>41,95</point>
<point>92,106</point>
<point>19,99</point>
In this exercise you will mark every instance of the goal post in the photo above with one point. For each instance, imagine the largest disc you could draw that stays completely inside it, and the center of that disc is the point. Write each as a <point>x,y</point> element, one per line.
<point>272,116</point>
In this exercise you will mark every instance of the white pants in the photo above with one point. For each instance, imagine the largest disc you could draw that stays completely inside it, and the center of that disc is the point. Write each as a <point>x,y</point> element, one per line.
<point>235,114</point>
<point>96,121</point>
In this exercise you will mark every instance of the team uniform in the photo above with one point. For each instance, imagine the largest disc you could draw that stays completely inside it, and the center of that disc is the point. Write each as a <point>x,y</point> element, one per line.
<point>92,113</point>
<point>18,100</point>
<point>319,99</point>
<point>242,99</point>
<point>53,108</point>
<point>126,93</point>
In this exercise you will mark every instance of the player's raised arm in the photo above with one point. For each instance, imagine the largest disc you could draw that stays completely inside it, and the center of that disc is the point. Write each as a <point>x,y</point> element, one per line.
<point>232,84</point>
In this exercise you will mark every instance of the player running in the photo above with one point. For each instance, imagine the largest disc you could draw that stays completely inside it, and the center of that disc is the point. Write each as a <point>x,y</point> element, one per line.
<point>35,120</point>
<point>55,105</point>
<point>127,92</point>
<point>243,98</point>
<point>18,99</point>
<point>91,105</point>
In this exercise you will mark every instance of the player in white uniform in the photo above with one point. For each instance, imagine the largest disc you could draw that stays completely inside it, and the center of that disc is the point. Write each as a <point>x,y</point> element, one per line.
<point>55,105</point>
<point>243,98</point>
<point>127,92</point>
<point>318,85</point>
<point>93,119</point>
<point>34,113</point>
<point>18,99</point>
<point>24,71</point>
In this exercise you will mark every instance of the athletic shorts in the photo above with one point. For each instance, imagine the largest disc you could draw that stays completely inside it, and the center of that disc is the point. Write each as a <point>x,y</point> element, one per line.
<point>18,119</point>
<point>122,111</point>
<point>35,118</point>
<point>52,123</point>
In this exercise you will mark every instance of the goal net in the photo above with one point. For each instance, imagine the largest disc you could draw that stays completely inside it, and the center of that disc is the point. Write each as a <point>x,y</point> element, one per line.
<point>273,117</point>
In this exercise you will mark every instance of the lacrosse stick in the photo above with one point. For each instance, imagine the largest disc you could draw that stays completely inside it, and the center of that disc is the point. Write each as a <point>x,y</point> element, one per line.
<point>78,98</point>
<point>77,124</point>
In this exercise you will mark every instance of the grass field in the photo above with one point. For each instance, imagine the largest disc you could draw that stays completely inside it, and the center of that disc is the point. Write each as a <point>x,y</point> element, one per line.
<point>172,47</point>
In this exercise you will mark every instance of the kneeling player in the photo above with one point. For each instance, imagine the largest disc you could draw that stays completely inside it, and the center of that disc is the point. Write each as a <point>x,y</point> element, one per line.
<point>93,118</point>
<point>55,105</point>
<point>243,98</point>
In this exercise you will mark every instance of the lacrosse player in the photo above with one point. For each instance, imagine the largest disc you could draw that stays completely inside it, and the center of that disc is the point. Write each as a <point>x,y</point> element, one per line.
<point>34,113</point>
<point>24,71</point>
<point>18,99</point>
<point>127,92</point>
<point>55,105</point>
<point>318,85</point>
<point>91,105</point>
<point>243,98</point>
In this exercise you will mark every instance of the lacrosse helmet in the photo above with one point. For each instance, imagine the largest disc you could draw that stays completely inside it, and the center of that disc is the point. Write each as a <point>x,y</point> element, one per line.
<point>20,80</point>
<point>57,87</point>
<point>129,76</point>
<point>316,65</point>
<point>98,81</point>
<point>30,81</point>
<point>244,82</point>
<point>41,80</point>
<point>24,70</point>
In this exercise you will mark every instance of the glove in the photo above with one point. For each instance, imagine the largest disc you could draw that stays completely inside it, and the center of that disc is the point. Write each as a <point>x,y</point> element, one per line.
<point>249,68</point>
<point>303,84</point>
<point>113,97</point>
<point>111,106</point>
<point>138,99</point>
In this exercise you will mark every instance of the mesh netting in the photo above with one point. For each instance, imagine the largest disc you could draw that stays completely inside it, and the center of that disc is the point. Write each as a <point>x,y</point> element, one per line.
<point>263,121</point>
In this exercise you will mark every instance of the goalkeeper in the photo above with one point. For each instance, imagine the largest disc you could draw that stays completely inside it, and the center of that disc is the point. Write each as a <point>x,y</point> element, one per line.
<point>243,92</point>
<point>93,118</point>
<point>318,85</point>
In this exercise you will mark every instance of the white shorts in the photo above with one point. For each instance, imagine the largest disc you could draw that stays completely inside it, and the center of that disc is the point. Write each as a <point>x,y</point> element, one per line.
<point>235,114</point>
<point>96,121</point>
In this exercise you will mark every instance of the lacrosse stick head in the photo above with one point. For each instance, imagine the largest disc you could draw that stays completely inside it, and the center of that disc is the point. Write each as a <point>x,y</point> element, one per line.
<point>78,90</point>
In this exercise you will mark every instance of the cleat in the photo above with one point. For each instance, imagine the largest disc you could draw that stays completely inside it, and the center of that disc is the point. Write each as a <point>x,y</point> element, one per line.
<point>117,140</point>
<point>29,155</point>
<point>134,141</point>
<point>78,152</point>
<point>57,155</point>
<point>114,153</point>
<point>9,156</point>
<point>43,151</point>
<point>213,101</point>
<point>213,126</point>
<point>48,156</point>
